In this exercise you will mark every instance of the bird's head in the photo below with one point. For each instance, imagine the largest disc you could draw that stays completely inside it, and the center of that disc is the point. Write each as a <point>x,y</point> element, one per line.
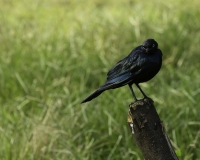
<point>150,45</point>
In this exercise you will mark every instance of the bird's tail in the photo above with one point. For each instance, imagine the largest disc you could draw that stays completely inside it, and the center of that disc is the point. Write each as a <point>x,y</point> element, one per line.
<point>92,96</point>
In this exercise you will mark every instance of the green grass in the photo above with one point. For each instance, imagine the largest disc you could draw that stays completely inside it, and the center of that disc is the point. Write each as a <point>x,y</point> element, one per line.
<point>55,53</point>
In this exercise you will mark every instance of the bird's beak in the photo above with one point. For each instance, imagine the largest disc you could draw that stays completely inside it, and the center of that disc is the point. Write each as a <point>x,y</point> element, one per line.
<point>144,49</point>
<point>147,50</point>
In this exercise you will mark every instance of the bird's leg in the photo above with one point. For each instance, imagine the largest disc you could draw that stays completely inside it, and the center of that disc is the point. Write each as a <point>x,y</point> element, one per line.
<point>130,86</point>
<point>141,90</point>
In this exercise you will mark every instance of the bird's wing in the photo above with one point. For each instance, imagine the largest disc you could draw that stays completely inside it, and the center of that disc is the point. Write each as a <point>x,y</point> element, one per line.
<point>130,64</point>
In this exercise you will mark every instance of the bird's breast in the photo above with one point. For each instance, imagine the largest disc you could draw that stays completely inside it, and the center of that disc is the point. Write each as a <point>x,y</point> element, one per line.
<point>150,69</point>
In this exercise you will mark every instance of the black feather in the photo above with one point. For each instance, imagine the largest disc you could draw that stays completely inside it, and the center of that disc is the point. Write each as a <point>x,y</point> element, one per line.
<point>141,65</point>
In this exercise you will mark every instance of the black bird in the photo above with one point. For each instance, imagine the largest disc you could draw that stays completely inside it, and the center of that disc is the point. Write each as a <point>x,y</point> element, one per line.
<point>141,65</point>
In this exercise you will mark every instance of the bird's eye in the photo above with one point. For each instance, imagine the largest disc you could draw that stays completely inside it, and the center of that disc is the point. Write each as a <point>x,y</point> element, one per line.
<point>153,45</point>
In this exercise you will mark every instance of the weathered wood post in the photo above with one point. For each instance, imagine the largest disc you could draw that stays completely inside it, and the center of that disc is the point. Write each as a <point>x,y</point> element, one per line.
<point>148,131</point>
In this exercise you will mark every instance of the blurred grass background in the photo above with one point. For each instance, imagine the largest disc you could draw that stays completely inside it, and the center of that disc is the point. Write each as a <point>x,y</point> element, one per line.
<point>54,53</point>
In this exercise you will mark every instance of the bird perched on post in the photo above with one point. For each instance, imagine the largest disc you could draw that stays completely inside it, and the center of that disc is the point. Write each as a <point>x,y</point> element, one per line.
<point>141,65</point>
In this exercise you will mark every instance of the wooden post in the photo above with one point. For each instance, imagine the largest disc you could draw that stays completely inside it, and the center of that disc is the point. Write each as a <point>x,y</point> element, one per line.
<point>148,131</point>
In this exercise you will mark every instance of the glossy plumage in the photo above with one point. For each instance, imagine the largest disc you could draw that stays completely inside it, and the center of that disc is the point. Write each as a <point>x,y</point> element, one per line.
<point>141,65</point>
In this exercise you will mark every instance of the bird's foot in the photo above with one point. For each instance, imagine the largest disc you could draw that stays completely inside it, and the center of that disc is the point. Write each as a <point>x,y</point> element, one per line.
<point>145,97</point>
<point>148,99</point>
